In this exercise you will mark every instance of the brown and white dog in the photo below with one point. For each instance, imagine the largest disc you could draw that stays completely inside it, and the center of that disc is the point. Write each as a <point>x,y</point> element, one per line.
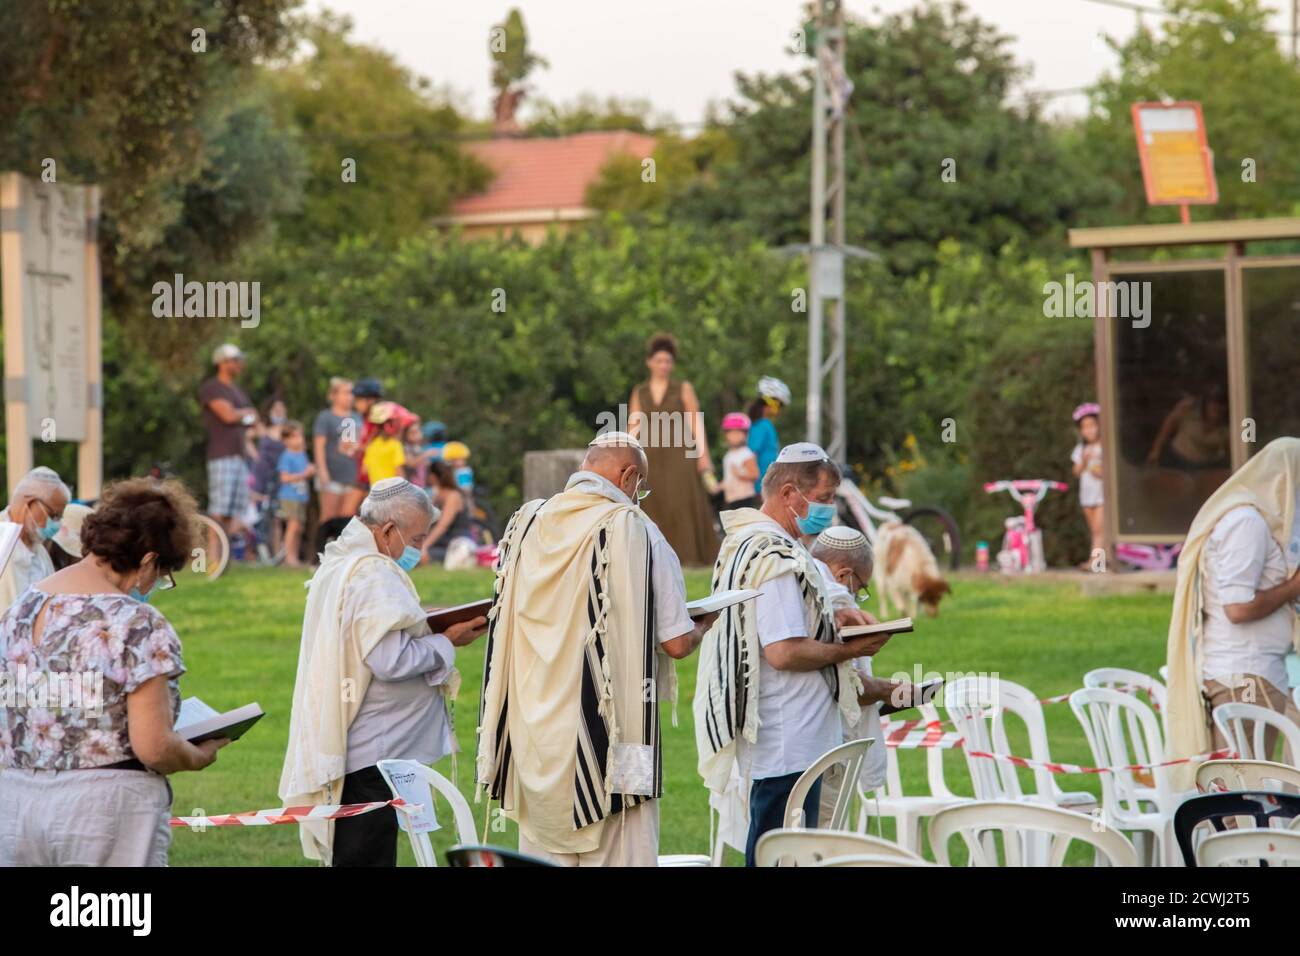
<point>906,571</point>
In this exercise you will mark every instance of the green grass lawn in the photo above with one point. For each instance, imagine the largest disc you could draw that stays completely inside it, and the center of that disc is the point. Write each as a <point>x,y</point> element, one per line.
<point>241,635</point>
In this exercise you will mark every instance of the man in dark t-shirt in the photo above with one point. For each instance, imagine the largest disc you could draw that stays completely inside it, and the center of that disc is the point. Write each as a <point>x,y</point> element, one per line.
<point>227,413</point>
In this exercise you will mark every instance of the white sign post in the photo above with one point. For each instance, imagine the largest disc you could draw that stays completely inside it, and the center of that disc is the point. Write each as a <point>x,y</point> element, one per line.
<point>49,269</point>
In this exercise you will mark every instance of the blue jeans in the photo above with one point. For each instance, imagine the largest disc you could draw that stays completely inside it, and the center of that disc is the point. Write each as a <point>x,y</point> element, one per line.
<point>767,799</point>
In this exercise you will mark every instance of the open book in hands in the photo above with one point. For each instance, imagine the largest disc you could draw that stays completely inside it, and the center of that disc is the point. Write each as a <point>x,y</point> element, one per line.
<point>720,600</point>
<point>198,722</point>
<point>900,626</point>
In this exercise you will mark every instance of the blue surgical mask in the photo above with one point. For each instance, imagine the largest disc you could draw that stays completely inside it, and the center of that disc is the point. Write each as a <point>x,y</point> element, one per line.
<point>51,528</point>
<point>817,520</point>
<point>410,557</point>
<point>135,595</point>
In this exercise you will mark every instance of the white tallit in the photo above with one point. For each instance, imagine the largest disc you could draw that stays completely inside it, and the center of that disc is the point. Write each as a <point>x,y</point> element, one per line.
<point>569,722</point>
<point>332,675</point>
<point>726,683</point>
<point>1269,483</point>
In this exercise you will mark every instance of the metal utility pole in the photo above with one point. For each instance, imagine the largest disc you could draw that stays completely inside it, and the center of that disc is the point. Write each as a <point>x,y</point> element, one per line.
<point>831,91</point>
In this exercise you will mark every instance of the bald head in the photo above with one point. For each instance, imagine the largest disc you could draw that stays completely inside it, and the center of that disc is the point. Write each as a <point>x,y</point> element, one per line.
<point>619,459</point>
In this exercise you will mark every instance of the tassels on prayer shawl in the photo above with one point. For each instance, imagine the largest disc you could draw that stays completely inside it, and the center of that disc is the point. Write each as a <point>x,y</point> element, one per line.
<point>726,686</point>
<point>573,576</point>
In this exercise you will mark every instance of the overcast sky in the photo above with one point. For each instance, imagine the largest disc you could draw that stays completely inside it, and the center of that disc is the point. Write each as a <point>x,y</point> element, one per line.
<point>681,54</point>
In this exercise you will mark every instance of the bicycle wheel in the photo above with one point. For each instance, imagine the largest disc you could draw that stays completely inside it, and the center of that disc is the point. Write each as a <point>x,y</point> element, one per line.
<point>940,531</point>
<point>214,548</point>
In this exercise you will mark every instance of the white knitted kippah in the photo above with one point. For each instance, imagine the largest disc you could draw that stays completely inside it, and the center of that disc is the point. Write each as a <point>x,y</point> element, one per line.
<point>387,488</point>
<point>842,538</point>
<point>613,439</point>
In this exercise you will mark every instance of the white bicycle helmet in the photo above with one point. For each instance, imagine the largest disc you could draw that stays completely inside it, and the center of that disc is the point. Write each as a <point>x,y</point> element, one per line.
<point>769,387</point>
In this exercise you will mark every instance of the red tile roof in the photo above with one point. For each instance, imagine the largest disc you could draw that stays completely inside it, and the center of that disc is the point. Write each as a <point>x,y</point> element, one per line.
<point>534,174</point>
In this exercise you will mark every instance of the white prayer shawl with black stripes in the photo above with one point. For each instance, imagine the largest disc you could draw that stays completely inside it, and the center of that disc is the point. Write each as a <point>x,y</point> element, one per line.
<point>726,684</point>
<point>569,719</point>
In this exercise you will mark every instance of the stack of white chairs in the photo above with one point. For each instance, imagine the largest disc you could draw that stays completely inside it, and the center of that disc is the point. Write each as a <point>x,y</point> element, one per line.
<point>1250,848</point>
<point>1123,731</point>
<point>908,810</point>
<point>979,707</point>
<point>1031,835</point>
<point>1245,728</point>
<point>1232,774</point>
<point>789,847</point>
<point>1123,679</point>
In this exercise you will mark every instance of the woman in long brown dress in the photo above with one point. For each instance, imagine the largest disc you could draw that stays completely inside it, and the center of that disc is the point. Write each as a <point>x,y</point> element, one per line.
<point>664,414</point>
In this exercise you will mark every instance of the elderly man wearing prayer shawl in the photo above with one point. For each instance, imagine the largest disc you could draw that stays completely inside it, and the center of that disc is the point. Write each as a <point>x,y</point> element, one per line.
<point>776,685</point>
<point>371,681</point>
<point>37,504</point>
<point>589,600</point>
<point>1234,615</point>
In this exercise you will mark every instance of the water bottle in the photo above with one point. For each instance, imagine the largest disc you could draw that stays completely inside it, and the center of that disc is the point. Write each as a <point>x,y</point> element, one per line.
<point>981,555</point>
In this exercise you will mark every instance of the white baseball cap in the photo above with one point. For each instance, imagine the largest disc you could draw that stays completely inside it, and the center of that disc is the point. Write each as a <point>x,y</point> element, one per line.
<point>226,352</point>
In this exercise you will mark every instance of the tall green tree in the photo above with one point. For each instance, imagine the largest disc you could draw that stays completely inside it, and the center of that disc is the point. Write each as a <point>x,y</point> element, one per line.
<point>136,96</point>
<point>1220,53</point>
<point>937,147</point>
<point>381,148</point>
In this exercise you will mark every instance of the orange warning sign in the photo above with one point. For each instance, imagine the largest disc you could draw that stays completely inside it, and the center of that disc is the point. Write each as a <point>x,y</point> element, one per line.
<point>1177,165</point>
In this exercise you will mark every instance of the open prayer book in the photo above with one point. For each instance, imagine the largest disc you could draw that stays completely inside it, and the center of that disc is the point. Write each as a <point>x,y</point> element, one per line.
<point>900,626</point>
<point>441,618</point>
<point>198,722</point>
<point>716,602</point>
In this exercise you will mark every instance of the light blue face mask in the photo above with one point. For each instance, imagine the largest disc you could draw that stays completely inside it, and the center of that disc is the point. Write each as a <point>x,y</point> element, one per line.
<point>817,520</point>
<point>410,557</point>
<point>135,595</point>
<point>52,524</point>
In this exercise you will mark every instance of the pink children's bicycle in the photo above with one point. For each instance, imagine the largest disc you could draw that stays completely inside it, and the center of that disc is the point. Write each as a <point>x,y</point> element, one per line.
<point>1022,542</point>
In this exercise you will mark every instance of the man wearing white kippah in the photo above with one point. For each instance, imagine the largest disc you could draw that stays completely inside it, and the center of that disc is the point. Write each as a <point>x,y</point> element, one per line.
<point>590,609</point>
<point>772,722</point>
<point>372,681</point>
<point>37,505</point>
<point>843,555</point>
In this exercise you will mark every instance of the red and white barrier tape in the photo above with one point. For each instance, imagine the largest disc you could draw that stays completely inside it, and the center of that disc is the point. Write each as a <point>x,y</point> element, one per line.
<point>1054,767</point>
<point>915,734</point>
<point>262,818</point>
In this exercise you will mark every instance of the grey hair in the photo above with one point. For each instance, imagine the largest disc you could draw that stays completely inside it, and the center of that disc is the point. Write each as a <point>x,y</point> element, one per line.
<point>804,475</point>
<point>40,481</point>
<point>859,557</point>
<point>403,501</point>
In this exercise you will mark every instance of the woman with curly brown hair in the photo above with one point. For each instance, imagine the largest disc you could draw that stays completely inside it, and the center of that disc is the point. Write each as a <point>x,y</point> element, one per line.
<point>664,415</point>
<point>87,745</point>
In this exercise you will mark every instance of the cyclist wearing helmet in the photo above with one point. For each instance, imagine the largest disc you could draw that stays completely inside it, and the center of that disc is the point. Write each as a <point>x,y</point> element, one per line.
<point>773,395</point>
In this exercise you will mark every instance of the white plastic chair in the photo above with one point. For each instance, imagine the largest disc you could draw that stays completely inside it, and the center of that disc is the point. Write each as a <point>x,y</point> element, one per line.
<point>432,780</point>
<point>851,754</point>
<point>1123,679</point>
<point>978,706</point>
<point>908,810</point>
<point>1248,847</point>
<point>1024,827</point>
<point>1122,731</point>
<point>872,859</point>
<point>810,847</point>
<point>1247,775</point>
<point>1244,727</point>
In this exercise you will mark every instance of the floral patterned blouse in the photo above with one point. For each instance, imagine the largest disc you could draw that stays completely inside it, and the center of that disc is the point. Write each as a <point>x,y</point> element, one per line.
<point>63,698</point>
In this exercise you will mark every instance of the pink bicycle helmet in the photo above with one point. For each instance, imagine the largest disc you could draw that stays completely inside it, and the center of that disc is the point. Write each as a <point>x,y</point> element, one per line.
<point>735,421</point>
<point>1086,409</point>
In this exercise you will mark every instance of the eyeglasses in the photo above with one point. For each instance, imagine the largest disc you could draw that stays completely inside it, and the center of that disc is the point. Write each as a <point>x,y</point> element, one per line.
<point>165,582</point>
